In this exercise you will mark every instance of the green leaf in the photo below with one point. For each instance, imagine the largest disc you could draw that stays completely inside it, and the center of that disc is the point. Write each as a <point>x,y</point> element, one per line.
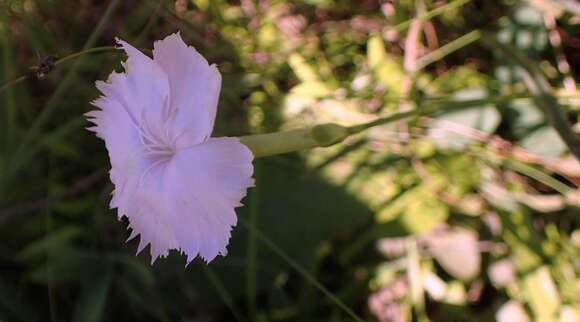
<point>54,240</point>
<point>519,234</point>
<point>312,89</point>
<point>542,294</point>
<point>91,304</point>
<point>77,206</point>
<point>302,69</point>
<point>70,265</point>
<point>424,212</point>
<point>135,269</point>
<point>290,202</point>
<point>387,70</point>
<point>376,53</point>
<point>418,210</point>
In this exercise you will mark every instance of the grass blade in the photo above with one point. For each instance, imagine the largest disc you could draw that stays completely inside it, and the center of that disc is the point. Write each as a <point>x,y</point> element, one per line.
<point>222,291</point>
<point>278,251</point>
<point>93,300</point>
<point>447,49</point>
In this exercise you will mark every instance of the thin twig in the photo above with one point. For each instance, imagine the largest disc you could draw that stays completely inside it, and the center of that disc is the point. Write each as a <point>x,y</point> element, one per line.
<point>13,82</point>
<point>59,62</point>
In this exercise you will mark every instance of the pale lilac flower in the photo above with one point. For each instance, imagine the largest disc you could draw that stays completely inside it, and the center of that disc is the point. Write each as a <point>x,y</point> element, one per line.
<point>177,186</point>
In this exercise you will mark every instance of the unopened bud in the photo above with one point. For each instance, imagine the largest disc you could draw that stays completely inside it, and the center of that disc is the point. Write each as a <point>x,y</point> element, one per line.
<point>329,134</point>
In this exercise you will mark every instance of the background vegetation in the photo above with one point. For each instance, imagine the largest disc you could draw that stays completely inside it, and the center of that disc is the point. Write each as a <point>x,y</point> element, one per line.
<point>469,216</point>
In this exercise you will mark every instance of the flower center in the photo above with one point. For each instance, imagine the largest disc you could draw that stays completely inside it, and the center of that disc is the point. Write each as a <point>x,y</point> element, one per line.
<point>158,142</point>
<point>159,148</point>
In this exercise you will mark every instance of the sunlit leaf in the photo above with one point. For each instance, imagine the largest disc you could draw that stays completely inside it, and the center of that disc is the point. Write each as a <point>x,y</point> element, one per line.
<point>542,294</point>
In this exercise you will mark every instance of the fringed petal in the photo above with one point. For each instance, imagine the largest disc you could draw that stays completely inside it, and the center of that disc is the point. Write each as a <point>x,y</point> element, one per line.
<point>143,91</point>
<point>195,88</point>
<point>121,136</point>
<point>178,187</point>
<point>203,186</point>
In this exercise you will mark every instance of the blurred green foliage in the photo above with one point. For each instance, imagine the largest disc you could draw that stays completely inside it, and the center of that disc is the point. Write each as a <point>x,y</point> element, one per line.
<point>471,215</point>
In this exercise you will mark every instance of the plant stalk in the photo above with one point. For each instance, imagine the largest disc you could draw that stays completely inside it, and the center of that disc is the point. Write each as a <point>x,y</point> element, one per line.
<point>324,135</point>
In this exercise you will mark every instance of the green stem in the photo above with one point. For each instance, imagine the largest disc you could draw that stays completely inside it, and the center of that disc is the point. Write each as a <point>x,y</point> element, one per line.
<point>324,135</point>
<point>447,49</point>
<point>60,61</point>
<point>12,82</point>
<point>85,52</point>
<point>279,142</point>
<point>435,109</point>
<point>389,119</point>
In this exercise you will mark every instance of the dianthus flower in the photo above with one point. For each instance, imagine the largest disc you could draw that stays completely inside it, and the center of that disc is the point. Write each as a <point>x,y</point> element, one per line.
<point>177,185</point>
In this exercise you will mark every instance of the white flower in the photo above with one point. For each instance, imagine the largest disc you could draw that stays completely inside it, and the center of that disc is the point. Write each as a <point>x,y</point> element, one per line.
<point>177,186</point>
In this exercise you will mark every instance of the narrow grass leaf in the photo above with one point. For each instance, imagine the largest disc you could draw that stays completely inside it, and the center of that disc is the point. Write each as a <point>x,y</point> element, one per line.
<point>333,298</point>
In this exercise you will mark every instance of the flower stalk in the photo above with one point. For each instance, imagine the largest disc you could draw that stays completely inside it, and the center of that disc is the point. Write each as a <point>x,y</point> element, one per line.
<point>263,145</point>
<point>324,135</point>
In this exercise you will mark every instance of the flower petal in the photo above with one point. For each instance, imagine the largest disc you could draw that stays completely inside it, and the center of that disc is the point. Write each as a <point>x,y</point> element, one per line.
<point>187,201</point>
<point>195,88</point>
<point>178,187</point>
<point>144,202</point>
<point>203,185</point>
<point>143,91</point>
<point>121,136</point>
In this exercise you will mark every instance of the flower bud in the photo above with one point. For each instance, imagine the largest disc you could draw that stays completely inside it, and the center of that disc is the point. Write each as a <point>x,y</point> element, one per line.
<point>269,144</point>
<point>329,134</point>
